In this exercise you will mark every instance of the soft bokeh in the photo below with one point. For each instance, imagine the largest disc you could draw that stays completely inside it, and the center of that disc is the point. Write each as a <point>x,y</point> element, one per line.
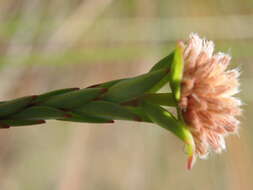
<point>47,45</point>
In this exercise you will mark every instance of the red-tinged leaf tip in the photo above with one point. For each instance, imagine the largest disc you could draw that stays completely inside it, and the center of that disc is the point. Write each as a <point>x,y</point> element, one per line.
<point>40,121</point>
<point>96,99</point>
<point>67,115</point>
<point>75,88</point>
<point>64,109</point>
<point>111,121</point>
<point>137,118</point>
<point>180,44</point>
<point>134,103</point>
<point>34,97</point>
<point>94,86</point>
<point>104,90</point>
<point>5,126</point>
<point>167,70</point>
<point>190,162</point>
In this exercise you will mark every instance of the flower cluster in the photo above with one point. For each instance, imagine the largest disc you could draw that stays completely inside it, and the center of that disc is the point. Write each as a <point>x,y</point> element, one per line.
<point>207,103</point>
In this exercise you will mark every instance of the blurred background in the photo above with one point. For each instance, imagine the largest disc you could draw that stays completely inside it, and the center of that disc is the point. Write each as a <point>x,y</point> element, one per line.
<point>52,44</point>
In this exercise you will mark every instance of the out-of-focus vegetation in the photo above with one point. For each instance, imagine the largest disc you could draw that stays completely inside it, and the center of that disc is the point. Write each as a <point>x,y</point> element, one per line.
<point>45,45</point>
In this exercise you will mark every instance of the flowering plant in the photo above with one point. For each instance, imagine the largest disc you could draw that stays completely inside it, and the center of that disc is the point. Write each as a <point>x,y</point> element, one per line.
<point>201,93</point>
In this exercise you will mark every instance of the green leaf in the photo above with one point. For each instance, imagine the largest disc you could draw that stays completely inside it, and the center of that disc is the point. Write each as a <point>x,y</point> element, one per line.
<point>73,99</point>
<point>86,118</point>
<point>108,110</point>
<point>15,123</point>
<point>166,120</point>
<point>40,113</point>
<point>13,106</point>
<point>176,75</point>
<point>106,84</point>
<point>165,63</point>
<point>140,112</point>
<point>163,99</point>
<point>134,87</point>
<point>45,96</point>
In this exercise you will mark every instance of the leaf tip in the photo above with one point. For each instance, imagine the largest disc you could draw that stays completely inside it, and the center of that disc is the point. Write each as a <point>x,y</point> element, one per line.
<point>190,162</point>
<point>40,121</point>
<point>67,115</point>
<point>104,90</point>
<point>94,86</point>
<point>75,88</point>
<point>137,118</point>
<point>110,121</point>
<point>167,70</point>
<point>5,126</point>
<point>34,96</point>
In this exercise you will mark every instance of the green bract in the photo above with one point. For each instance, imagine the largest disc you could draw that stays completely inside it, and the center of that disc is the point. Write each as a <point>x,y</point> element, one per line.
<point>176,72</point>
<point>126,90</point>
<point>107,110</point>
<point>166,120</point>
<point>10,107</point>
<point>165,63</point>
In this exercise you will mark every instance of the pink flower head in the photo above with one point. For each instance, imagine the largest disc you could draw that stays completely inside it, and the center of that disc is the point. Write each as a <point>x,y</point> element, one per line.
<point>207,103</point>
